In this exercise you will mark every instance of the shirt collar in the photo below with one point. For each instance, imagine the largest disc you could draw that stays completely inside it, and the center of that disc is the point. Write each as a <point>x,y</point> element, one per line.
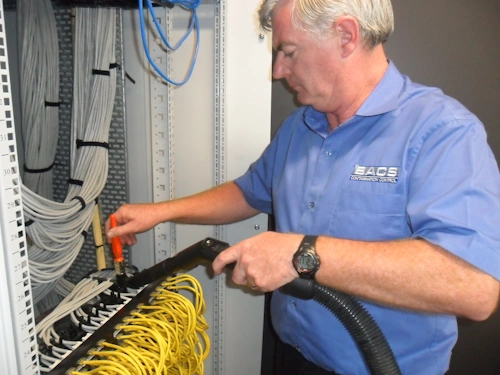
<point>384,98</point>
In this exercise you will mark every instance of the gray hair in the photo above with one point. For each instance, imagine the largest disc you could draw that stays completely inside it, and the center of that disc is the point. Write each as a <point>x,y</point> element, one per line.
<point>375,17</point>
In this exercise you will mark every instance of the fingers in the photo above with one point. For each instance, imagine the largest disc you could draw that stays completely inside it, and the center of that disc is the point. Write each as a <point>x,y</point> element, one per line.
<point>223,259</point>
<point>239,274</point>
<point>253,266</point>
<point>123,230</point>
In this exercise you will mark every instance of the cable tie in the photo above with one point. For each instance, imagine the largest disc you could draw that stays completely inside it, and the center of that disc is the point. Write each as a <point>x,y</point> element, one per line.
<point>98,246</point>
<point>114,66</point>
<point>72,181</point>
<point>129,78</point>
<point>80,199</point>
<point>42,170</point>
<point>28,223</point>
<point>80,143</point>
<point>84,234</point>
<point>52,104</point>
<point>98,72</point>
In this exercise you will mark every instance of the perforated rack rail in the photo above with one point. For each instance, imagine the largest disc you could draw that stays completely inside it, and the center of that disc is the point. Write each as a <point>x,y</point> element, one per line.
<point>17,324</point>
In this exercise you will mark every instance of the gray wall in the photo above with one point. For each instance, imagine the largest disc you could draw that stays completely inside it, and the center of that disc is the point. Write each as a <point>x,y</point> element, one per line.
<point>454,45</point>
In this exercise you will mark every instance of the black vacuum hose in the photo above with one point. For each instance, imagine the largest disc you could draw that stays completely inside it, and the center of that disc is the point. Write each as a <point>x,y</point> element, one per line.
<point>357,321</point>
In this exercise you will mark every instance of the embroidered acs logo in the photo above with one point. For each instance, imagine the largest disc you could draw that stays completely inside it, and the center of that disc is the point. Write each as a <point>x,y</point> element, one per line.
<point>375,174</point>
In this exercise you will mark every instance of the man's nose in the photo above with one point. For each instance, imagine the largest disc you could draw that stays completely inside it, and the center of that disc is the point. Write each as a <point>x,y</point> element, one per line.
<point>279,69</point>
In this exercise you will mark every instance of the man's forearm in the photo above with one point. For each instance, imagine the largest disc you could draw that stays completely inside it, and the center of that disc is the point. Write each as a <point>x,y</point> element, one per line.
<point>409,274</point>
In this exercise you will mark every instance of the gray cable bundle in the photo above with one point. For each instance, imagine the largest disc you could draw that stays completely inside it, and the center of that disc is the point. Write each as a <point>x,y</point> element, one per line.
<point>57,229</point>
<point>39,74</point>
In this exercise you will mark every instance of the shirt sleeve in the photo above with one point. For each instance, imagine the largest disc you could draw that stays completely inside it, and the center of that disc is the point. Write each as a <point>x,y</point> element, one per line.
<point>454,193</point>
<point>256,183</point>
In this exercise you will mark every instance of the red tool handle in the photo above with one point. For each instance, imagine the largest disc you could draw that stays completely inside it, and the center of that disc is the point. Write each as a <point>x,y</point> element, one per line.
<point>116,245</point>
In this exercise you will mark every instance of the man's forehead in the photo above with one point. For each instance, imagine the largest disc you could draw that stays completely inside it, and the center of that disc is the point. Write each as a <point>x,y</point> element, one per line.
<point>281,5</point>
<point>281,20</point>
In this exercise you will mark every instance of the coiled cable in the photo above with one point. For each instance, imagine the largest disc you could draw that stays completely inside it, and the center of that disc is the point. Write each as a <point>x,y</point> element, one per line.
<point>57,230</point>
<point>190,5</point>
<point>168,336</point>
<point>39,77</point>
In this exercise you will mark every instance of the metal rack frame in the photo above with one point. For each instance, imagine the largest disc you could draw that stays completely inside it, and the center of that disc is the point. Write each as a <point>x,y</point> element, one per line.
<point>17,322</point>
<point>159,169</point>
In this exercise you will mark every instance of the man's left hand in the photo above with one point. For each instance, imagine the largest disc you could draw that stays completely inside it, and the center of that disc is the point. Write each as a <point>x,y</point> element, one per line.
<point>263,262</point>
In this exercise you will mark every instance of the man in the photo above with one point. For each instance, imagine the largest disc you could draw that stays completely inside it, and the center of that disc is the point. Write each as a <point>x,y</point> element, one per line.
<point>395,180</point>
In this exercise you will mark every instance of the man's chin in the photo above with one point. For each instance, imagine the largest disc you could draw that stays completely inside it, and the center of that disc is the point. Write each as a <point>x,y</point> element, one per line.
<point>301,98</point>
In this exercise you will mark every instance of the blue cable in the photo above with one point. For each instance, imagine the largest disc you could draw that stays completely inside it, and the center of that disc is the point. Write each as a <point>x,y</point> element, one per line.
<point>187,4</point>
<point>160,31</point>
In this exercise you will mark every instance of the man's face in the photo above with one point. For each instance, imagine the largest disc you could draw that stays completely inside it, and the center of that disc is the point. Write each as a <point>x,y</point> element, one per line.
<point>310,66</point>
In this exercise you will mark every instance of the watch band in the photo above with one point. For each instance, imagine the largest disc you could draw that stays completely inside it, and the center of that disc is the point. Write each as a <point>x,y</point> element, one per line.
<point>308,242</point>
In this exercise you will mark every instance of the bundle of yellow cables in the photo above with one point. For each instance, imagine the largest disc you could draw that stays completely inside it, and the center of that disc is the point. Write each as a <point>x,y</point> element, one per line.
<point>166,337</point>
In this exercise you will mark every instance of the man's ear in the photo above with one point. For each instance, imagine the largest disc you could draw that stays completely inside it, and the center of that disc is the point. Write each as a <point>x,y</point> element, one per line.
<point>348,30</point>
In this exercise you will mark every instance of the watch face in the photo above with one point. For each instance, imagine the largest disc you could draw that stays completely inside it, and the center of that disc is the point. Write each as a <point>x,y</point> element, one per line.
<point>306,262</point>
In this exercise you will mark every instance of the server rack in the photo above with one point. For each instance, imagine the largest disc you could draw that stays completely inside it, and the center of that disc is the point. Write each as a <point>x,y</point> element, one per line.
<point>185,151</point>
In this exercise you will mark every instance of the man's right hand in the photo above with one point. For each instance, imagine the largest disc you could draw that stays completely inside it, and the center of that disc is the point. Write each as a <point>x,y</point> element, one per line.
<point>132,219</point>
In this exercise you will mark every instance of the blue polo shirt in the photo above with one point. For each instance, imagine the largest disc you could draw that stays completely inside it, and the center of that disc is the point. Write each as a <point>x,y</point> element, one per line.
<point>412,163</point>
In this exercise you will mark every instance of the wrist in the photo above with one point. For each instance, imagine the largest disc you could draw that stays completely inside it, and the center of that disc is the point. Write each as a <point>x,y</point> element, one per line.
<point>162,212</point>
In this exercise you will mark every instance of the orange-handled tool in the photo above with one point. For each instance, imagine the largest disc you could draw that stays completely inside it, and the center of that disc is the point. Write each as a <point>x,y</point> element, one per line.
<point>116,244</point>
<point>119,263</point>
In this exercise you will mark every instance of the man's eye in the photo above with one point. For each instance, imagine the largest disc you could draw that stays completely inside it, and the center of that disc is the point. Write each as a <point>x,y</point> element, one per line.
<point>289,54</point>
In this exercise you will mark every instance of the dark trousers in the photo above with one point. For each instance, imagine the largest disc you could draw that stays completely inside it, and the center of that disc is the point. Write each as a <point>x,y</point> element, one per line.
<point>290,362</point>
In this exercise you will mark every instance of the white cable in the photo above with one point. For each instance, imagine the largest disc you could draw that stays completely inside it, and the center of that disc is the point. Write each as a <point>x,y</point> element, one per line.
<point>57,229</point>
<point>84,291</point>
<point>39,76</point>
